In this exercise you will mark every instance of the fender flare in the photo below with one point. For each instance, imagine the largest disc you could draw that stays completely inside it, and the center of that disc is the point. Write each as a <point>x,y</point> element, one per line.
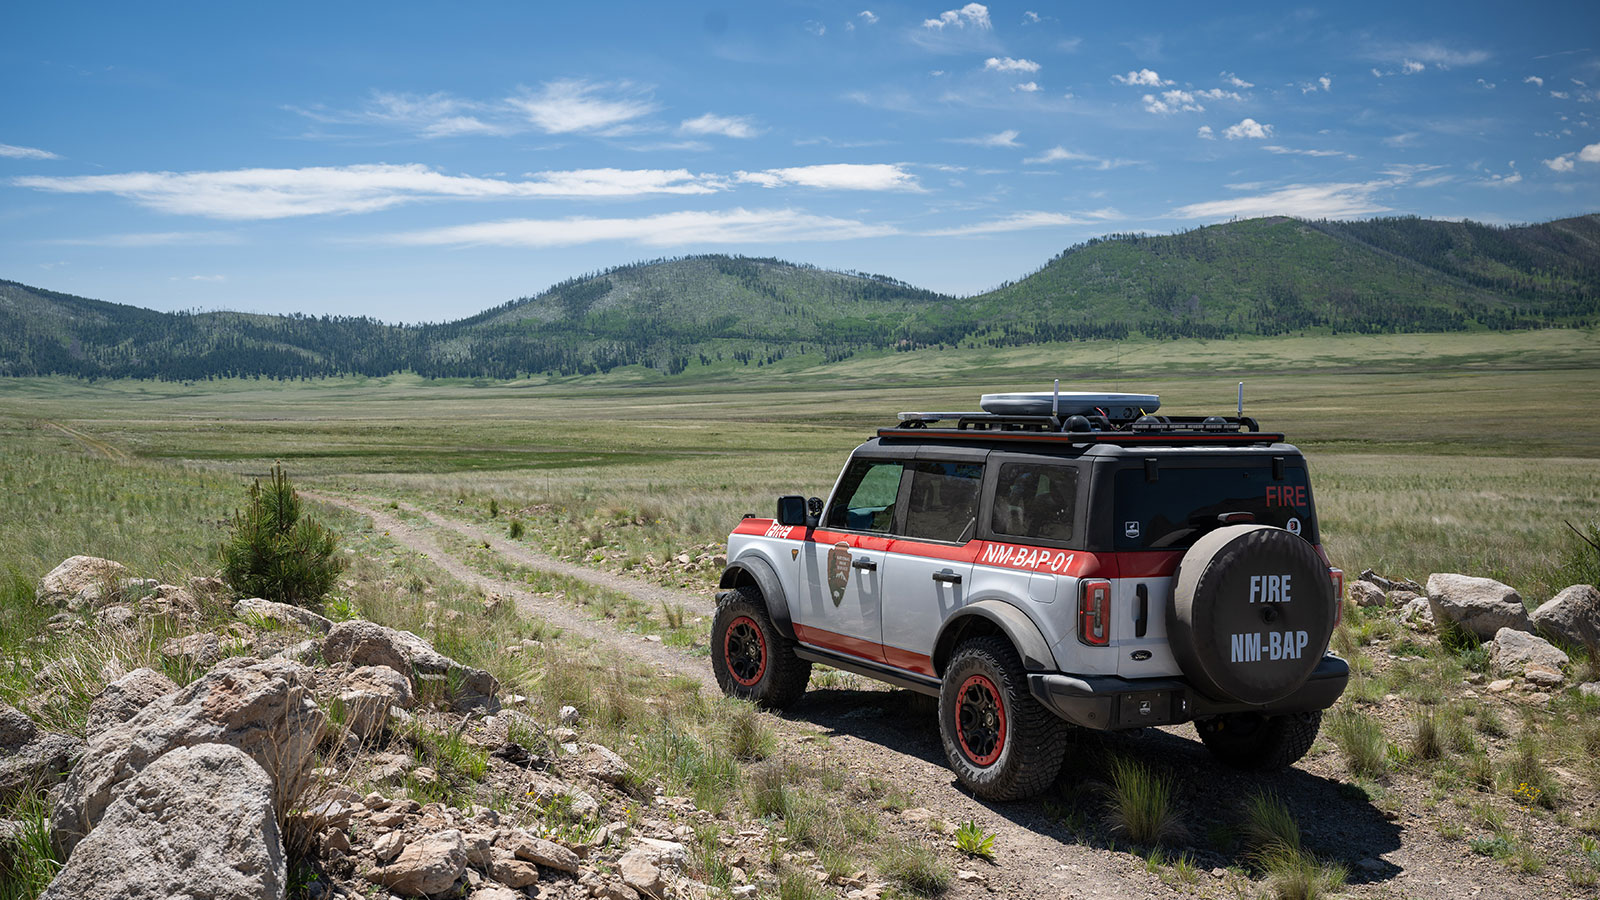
<point>1010,621</point>
<point>753,570</point>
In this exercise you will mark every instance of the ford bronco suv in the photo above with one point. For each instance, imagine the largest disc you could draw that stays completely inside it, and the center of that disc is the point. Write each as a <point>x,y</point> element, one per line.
<point>1058,559</point>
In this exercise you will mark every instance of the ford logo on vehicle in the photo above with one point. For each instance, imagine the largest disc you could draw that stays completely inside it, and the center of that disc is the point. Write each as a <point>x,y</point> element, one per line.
<point>1139,655</point>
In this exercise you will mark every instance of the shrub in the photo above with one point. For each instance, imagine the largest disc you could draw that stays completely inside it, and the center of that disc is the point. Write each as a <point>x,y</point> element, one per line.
<point>1268,826</point>
<point>914,868</point>
<point>1361,740</point>
<point>515,531</point>
<point>274,552</point>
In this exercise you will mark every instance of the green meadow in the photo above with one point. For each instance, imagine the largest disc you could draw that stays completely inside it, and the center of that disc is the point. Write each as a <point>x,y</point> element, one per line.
<point>1460,452</point>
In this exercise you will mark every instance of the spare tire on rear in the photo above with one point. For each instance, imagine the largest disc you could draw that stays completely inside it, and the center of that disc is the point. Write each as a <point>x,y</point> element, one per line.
<point>1252,612</point>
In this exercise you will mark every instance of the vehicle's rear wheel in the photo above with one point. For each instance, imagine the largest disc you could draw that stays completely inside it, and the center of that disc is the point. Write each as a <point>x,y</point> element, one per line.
<point>750,659</point>
<point>1001,743</point>
<point>1257,742</point>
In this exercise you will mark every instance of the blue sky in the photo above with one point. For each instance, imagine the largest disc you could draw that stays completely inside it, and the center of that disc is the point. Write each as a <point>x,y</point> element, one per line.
<point>424,161</point>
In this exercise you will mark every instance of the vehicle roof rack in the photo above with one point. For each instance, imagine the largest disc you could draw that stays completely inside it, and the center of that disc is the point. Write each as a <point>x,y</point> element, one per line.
<point>1078,429</point>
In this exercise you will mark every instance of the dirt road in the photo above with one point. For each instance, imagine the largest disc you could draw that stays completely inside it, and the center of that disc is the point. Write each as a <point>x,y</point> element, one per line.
<point>888,736</point>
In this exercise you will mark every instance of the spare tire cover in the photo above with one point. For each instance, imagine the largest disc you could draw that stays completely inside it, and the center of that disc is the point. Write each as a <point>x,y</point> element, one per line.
<point>1251,614</point>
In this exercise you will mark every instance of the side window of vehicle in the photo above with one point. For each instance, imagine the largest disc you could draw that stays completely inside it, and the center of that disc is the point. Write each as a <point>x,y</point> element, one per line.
<point>1035,501</point>
<point>943,505</point>
<point>866,496</point>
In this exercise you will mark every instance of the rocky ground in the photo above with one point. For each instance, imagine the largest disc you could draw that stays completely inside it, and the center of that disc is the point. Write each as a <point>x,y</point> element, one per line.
<point>315,758</point>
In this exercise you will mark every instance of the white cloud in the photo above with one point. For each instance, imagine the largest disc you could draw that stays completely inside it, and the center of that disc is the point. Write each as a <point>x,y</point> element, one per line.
<point>1562,163</point>
<point>1204,132</point>
<point>1501,180</point>
<point>727,126</point>
<point>1235,80</point>
<point>211,278</point>
<point>573,105</point>
<point>283,193</point>
<point>1590,153</point>
<point>1027,87</point>
<point>816,28</point>
<point>1022,221</point>
<point>1404,139</point>
<point>1247,128</point>
<point>153,239</point>
<point>867,16</point>
<point>1487,85</point>
<point>1143,78</point>
<point>1534,80</point>
<point>1307,201</point>
<point>1559,95</point>
<point>1007,138</point>
<point>1171,102</point>
<point>1275,148</point>
<point>734,226</point>
<point>1440,55</point>
<point>1030,17</point>
<point>1218,94</point>
<point>12,151</point>
<point>974,14</point>
<point>1411,67</point>
<point>836,176</point>
<point>1007,64</point>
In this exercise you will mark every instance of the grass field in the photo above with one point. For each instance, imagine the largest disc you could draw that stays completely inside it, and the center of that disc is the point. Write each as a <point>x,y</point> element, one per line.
<point>1431,453</point>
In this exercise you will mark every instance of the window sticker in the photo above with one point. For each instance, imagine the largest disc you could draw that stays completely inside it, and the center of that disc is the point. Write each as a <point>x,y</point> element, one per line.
<point>1130,529</point>
<point>1293,525</point>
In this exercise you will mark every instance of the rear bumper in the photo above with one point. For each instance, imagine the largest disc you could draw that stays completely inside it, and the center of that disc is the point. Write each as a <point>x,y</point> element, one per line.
<point>1108,703</point>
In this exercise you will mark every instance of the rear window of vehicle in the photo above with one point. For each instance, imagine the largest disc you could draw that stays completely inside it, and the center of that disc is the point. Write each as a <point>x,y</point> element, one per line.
<point>1186,502</point>
<point>944,500</point>
<point>1034,501</point>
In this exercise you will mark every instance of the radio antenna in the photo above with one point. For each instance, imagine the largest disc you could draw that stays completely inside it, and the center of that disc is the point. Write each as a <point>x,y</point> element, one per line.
<point>1055,400</point>
<point>1241,399</point>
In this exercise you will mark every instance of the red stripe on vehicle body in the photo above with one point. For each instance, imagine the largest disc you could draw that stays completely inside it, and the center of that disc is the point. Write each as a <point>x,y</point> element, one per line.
<point>871,651</point>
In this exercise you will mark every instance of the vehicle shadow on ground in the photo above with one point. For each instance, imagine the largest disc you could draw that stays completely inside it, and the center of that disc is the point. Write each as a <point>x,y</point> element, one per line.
<point>1338,822</point>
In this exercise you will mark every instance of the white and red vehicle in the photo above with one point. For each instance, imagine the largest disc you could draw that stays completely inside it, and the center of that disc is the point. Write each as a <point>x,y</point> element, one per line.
<point>1062,559</point>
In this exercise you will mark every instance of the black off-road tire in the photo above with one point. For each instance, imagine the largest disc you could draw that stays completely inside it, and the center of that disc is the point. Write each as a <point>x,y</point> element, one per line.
<point>763,667</point>
<point>1260,743</point>
<point>1026,756</point>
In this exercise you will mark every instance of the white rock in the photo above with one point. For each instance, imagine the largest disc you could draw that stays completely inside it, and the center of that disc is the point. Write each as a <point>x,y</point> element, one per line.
<point>1481,606</point>
<point>1513,652</point>
<point>1571,617</point>
<point>80,581</point>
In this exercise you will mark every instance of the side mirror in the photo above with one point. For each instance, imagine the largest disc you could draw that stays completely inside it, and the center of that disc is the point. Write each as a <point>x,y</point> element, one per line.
<point>792,510</point>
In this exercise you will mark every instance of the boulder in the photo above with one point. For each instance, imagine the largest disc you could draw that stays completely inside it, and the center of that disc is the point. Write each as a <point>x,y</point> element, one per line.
<point>16,728</point>
<point>117,616</point>
<point>1399,599</point>
<point>362,643</point>
<point>1364,593</point>
<point>549,854</point>
<point>1418,614</point>
<point>367,693</point>
<point>1517,652</point>
<point>171,600</point>
<point>124,698</point>
<point>80,581</point>
<point>639,871</point>
<point>264,708</point>
<point>512,872</point>
<point>429,865</point>
<point>197,823</point>
<point>198,650</point>
<point>41,762</point>
<point>1479,606</point>
<point>1590,689</point>
<point>602,764</point>
<point>284,613</point>
<point>497,892</point>
<point>1571,617</point>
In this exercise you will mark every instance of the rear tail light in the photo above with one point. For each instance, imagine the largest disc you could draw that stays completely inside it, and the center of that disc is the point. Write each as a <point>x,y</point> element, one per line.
<point>1094,612</point>
<point>1337,577</point>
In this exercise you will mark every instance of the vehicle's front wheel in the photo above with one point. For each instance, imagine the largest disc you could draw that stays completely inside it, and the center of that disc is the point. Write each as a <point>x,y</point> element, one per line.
<point>750,659</point>
<point>1257,742</point>
<point>1001,743</point>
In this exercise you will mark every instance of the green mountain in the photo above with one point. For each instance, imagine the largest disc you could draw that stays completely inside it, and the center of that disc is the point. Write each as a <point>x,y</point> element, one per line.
<point>1259,276</point>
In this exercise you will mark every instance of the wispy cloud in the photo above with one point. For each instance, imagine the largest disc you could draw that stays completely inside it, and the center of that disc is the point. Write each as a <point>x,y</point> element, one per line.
<point>1143,78</point>
<point>1022,221</point>
<point>973,15</point>
<point>210,278</point>
<point>1294,151</point>
<point>1026,87</point>
<point>1307,201</point>
<point>1247,129</point>
<point>1059,153</point>
<point>12,151</point>
<point>867,17</point>
<point>1172,102</point>
<point>1007,138</point>
<point>152,239</point>
<point>573,105</point>
<point>1321,84</point>
<point>734,226</point>
<point>436,115</point>
<point>1534,80</point>
<point>1205,133</point>
<point>836,176</point>
<point>727,126</point>
<point>283,193</point>
<point>1007,64</point>
<point>1235,80</point>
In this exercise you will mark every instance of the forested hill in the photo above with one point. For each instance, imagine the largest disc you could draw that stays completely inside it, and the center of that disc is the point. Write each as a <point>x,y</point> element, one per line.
<point>1259,276</point>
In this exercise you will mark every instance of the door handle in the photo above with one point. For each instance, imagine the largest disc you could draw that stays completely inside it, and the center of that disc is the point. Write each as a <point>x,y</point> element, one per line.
<point>947,577</point>
<point>865,565</point>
